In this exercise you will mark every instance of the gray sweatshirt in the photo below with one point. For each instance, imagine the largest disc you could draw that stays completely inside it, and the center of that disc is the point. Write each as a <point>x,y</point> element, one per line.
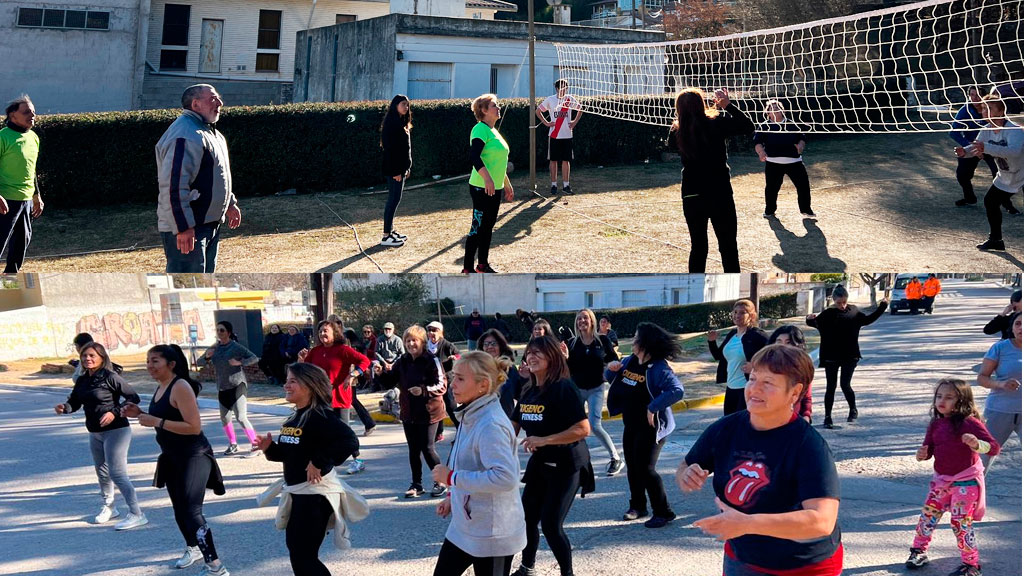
<point>487,512</point>
<point>228,376</point>
<point>389,349</point>
<point>1006,145</point>
<point>194,175</point>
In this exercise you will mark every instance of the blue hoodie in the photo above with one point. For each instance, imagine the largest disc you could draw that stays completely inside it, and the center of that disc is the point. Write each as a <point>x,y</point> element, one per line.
<point>662,386</point>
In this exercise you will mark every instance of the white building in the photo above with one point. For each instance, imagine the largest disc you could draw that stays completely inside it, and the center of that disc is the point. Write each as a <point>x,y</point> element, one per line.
<point>559,292</point>
<point>129,54</point>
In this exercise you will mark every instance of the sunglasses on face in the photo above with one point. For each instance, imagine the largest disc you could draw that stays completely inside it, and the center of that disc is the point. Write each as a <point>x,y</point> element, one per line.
<point>490,344</point>
<point>431,329</point>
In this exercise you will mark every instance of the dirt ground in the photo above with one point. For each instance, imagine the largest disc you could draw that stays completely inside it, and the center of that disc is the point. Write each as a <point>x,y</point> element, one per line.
<point>883,203</point>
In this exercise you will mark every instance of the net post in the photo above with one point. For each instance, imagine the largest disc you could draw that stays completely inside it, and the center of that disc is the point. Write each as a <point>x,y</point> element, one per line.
<point>533,102</point>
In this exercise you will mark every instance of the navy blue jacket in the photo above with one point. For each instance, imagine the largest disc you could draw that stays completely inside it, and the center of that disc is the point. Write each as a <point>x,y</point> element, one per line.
<point>776,142</point>
<point>965,127</point>
<point>663,387</point>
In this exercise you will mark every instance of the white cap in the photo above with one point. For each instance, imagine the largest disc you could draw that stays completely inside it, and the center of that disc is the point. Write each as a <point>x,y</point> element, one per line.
<point>436,324</point>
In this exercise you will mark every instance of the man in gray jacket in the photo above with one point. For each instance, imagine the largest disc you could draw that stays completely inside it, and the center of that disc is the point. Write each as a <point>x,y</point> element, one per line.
<point>389,349</point>
<point>195,184</point>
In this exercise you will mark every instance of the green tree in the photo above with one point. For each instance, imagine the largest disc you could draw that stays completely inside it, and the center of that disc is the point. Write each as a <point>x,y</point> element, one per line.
<point>400,300</point>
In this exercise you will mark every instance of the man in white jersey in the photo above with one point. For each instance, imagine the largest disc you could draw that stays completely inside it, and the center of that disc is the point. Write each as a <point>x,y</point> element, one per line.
<point>560,125</point>
<point>1004,141</point>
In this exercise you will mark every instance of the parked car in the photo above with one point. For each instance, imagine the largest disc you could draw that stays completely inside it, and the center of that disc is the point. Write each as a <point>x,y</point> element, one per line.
<point>898,298</point>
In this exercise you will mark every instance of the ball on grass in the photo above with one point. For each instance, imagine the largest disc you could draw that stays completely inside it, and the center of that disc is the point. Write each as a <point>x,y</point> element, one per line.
<point>350,118</point>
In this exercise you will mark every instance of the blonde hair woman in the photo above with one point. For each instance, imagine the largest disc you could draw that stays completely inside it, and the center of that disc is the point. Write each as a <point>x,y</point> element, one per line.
<point>589,354</point>
<point>734,354</point>
<point>488,182</point>
<point>421,384</point>
<point>483,468</point>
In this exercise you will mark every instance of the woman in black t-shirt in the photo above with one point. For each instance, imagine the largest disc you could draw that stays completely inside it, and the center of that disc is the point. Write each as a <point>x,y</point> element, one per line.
<point>551,413</point>
<point>774,477</point>
<point>313,440</point>
<point>186,464</point>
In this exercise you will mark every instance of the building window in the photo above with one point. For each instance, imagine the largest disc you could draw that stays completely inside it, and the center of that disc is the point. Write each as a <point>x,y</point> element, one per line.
<point>430,80</point>
<point>173,59</point>
<point>678,296</point>
<point>266,62</point>
<point>269,37</point>
<point>634,298</point>
<point>344,18</point>
<point>176,19</point>
<point>591,299</point>
<point>67,19</point>
<point>554,301</point>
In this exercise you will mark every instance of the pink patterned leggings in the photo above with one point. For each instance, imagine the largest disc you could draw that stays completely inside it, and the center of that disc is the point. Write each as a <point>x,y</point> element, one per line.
<point>960,500</point>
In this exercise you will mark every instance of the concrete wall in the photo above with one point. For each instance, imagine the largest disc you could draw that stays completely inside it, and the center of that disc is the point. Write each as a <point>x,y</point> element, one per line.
<point>71,70</point>
<point>241,26</point>
<point>449,8</point>
<point>365,64</point>
<point>164,90</point>
<point>354,61</point>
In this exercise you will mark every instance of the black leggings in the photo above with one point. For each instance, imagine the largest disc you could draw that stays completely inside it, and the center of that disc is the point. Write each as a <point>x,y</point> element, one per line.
<point>420,439</point>
<point>735,400</point>
<point>832,370</point>
<point>307,526</point>
<point>546,501</point>
<point>641,451</point>
<point>395,188</point>
<point>186,486</point>
<point>361,411</point>
<point>722,213</point>
<point>994,200</point>
<point>773,175</point>
<point>965,168</point>
<point>485,214</point>
<point>453,561</point>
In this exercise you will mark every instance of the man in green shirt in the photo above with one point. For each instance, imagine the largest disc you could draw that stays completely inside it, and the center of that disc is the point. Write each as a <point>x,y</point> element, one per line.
<point>19,192</point>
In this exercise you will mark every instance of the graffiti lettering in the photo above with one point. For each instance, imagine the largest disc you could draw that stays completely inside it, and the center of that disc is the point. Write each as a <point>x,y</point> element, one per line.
<point>115,330</point>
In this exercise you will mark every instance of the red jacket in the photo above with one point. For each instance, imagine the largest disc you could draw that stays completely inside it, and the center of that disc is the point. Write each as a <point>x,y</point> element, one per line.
<point>338,361</point>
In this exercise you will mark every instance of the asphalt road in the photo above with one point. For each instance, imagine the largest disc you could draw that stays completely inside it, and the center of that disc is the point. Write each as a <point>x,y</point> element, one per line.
<point>48,488</point>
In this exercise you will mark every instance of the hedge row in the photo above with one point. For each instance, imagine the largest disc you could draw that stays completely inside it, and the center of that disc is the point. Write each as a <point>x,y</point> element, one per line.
<point>676,319</point>
<point>100,159</point>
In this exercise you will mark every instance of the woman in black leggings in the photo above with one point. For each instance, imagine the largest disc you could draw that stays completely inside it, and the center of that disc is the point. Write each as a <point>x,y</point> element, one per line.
<point>488,182</point>
<point>186,464</point>
<point>839,327</point>
<point>700,133</point>
<point>552,415</point>
<point>421,385</point>
<point>312,442</point>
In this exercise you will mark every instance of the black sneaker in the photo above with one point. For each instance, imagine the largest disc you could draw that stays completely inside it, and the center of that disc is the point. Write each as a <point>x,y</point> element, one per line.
<point>524,571</point>
<point>468,271</point>
<point>917,558</point>
<point>554,190</point>
<point>438,490</point>
<point>828,423</point>
<point>414,491</point>
<point>1012,211</point>
<point>232,449</point>
<point>853,416</point>
<point>965,202</point>
<point>769,215</point>
<point>485,269</point>
<point>992,245</point>
<point>659,521</point>
<point>567,190</point>
<point>633,514</point>
<point>614,467</point>
<point>966,570</point>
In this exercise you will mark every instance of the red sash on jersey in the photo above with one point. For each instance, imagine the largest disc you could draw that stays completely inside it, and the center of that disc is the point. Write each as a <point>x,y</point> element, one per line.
<point>558,123</point>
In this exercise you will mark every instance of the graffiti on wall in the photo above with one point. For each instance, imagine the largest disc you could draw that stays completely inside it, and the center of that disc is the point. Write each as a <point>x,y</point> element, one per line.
<point>115,330</point>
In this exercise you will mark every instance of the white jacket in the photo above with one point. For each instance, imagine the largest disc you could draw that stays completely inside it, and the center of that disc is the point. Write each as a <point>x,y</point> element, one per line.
<point>348,505</point>
<point>487,511</point>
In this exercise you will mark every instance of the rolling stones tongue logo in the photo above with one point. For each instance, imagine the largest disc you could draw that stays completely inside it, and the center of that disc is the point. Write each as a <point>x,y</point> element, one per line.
<point>744,483</point>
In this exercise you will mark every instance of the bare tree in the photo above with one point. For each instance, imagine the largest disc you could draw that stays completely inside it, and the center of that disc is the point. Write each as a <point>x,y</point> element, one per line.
<point>686,19</point>
<point>874,281</point>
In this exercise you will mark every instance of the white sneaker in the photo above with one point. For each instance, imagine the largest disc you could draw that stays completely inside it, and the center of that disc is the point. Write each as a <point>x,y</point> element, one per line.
<point>207,571</point>
<point>190,557</point>
<point>106,513</point>
<point>355,467</point>
<point>132,521</point>
<point>391,240</point>
<point>399,235</point>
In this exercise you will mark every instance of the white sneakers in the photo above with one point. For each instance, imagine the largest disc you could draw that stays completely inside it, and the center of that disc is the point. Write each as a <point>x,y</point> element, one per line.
<point>132,521</point>
<point>394,239</point>
<point>190,557</point>
<point>219,571</point>
<point>106,513</point>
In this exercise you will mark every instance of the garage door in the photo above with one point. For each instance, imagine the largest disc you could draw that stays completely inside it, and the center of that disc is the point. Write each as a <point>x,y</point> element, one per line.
<point>430,80</point>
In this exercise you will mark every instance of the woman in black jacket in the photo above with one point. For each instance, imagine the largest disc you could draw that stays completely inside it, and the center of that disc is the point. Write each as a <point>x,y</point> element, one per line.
<point>271,362</point>
<point>699,133</point>
<point>734,355</point>
<point>396,142</point>
<point>839,328</point>
<point>421,385</point>
<point>100,393</point>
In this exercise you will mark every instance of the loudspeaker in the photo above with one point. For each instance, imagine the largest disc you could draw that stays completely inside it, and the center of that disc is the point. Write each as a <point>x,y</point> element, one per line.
<point>248,326</point>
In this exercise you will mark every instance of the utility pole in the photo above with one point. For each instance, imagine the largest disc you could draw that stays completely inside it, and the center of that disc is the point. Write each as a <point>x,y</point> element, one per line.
<point>533,102</point>
<point>323,286</point>
<point>754,297</point>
